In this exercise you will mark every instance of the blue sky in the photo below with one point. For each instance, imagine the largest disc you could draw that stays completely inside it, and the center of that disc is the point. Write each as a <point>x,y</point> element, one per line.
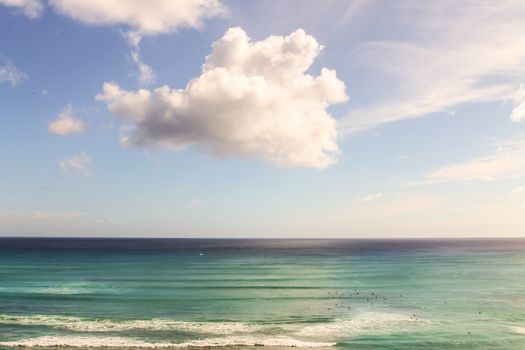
<point>276,119</point>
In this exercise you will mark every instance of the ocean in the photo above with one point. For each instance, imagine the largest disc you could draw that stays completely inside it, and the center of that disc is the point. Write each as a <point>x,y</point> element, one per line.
<point>186,293</point>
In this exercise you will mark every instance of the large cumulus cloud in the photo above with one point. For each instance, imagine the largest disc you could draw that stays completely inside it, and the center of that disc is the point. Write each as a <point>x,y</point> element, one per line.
<point>252,99</point>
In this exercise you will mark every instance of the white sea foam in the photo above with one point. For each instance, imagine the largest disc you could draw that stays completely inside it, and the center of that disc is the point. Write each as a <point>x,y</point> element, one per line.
<point>88,325</point>
<point>61,290</point>
<point>520,330</point>
<point>119,342</point>
<point>363,323</point>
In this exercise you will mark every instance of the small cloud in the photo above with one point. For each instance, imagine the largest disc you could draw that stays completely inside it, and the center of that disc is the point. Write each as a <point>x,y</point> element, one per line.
<point>31,8</point>
<point>518,112</point>
<point>66,123</point>
<point>108,126</point>
<point>126,127</point>
<point>111,221</point>
<point>518,190</point>
<point>56,216</point>
<point>9,73</point>
<point>197,203</point>
<point>371,197</point>
<point>80,163</point>
<point>150,157</point>
<point>403,157</point>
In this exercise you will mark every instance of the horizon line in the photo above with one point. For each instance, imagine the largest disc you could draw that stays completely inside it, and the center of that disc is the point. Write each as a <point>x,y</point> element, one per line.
<point>271,238</point>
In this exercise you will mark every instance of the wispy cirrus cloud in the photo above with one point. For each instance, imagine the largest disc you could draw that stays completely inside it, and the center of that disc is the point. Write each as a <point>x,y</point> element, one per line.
<point>507,161</point>
<point>451,53</point>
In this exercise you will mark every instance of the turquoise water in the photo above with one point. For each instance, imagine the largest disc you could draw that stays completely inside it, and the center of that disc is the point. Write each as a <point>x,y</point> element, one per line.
<point>348,294</point>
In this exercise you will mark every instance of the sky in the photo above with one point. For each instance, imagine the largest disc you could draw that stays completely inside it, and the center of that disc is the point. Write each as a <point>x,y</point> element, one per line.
<point>222,118</point>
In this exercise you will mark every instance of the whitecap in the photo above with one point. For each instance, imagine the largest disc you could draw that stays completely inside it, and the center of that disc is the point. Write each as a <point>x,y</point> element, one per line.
<point>520,330</point>
<point>363,323</point>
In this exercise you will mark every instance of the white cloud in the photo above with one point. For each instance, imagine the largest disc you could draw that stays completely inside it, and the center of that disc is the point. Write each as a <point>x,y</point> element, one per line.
<point>111,221</point>
<point>371,197</point>
<point>451,53</point>
<point>9,73</point>
<point>31,8</point>
<point>252,99</point>
<point>145,72</point>
<point>507,162</point>
<point>518,112</point>
<point>518,190</point>
<point>66,123</point>
<point>80,163</point>
<point>196,203</point>
<point>149,18</point>
<point>403,157</point>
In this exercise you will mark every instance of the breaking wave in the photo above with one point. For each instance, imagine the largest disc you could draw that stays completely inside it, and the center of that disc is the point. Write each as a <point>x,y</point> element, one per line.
<point>368,322</point>
<point>211,334</point>
<point>118,342</point>
<point>104,325</point>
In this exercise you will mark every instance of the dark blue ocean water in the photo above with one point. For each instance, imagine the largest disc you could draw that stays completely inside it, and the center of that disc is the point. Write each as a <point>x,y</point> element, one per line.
<point>351,294</point>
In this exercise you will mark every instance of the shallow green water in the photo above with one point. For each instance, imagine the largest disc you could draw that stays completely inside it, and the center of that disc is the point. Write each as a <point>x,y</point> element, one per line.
<point>323,293</point>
